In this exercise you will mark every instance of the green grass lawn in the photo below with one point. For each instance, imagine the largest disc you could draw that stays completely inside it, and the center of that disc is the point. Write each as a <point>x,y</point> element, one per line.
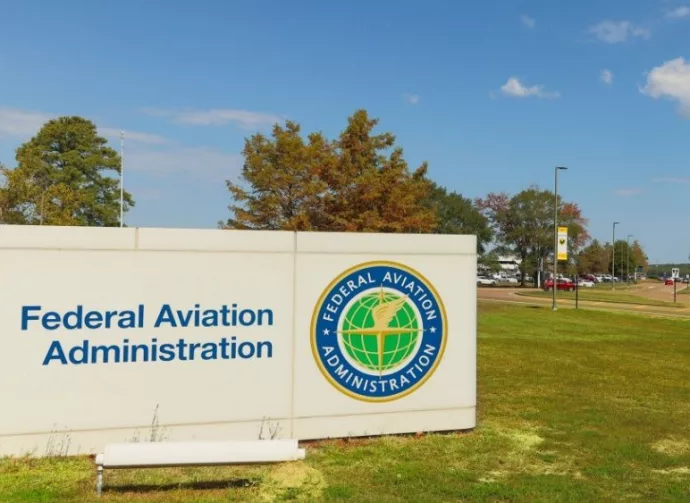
<point>573,406</point>
<point>601,294</point>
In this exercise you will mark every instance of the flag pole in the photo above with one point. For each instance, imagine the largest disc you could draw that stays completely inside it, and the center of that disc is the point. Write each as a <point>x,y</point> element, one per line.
<point>122,177</point>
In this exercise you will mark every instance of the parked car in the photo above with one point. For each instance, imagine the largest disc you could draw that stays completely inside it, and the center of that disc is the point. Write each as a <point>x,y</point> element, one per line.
<point>485,281</point>
<point>511,280</point>
<point>669,281</point>
<point>561,284</point>
<point>582,282</point>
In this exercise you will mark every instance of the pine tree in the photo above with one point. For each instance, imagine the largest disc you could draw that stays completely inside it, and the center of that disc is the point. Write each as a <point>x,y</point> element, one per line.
<point>62,178</point>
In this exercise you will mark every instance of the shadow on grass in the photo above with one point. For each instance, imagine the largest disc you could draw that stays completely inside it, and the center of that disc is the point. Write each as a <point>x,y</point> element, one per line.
<point>198,486</point>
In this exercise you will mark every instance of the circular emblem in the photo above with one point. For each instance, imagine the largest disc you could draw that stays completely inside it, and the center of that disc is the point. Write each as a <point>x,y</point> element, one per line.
<point>378,331</point>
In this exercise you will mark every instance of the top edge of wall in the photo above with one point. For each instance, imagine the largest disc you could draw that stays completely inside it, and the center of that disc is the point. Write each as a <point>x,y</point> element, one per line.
<point>172,239</point>
<point>390,243</point>
<point>151,239</point>
<point>59,237</point>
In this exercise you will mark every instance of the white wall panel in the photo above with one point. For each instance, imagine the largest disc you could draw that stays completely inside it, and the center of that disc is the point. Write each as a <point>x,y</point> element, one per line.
<point>50,395</point>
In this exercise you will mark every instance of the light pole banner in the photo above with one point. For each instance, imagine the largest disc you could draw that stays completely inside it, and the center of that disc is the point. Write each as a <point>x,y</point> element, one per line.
<point>562,243</point>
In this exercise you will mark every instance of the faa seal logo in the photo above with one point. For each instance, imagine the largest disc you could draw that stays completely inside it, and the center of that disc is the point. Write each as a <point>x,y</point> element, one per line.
<point>379,331</point>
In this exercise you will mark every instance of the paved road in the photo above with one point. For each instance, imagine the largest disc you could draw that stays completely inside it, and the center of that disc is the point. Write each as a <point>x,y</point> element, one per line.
<point>510,296</point>
<point>659,291</point>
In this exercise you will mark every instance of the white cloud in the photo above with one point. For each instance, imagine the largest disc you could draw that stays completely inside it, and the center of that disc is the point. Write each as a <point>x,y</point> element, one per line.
<point>133,136</point>
<point>513,87</point>
<point>203,163</point>
<point>614,32</point>
<point>218,117</point>
<point>15,123</point>
<point>412,99</point>
<point>23,124</point>
<point>529,22</point>
<point>144,152</point>
<point>671,81</point>
<point>679,12</point>
<point>672,179</point>
<point>628,192</point>
<point>606,77</point>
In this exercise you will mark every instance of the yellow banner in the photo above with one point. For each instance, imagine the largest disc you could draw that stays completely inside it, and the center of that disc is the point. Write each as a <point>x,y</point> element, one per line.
<point>562,249</point>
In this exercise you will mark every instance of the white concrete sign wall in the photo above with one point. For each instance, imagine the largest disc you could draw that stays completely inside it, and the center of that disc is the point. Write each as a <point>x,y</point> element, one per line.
<point>165,334</point>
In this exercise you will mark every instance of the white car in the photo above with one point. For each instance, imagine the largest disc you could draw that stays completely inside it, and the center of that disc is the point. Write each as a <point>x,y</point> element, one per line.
<point>585,283</point>
<point>484,281</point>
<point>513,281</point>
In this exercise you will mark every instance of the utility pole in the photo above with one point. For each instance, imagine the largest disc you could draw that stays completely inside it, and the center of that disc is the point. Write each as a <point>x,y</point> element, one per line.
<point>613,261</point>
<point>627,260</point>
<point>555,233</point>
<point>122,178</point>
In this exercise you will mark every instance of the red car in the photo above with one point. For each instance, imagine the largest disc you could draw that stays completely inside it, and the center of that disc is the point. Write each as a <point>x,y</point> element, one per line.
<point>561,284</point>
<point>669,281</point>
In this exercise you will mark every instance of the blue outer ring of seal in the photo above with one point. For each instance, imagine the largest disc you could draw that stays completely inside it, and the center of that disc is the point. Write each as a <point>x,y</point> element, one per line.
<point>366,385</point>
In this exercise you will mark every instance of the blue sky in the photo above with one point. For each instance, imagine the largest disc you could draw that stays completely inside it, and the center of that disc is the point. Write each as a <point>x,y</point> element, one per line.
<point>492,94</point>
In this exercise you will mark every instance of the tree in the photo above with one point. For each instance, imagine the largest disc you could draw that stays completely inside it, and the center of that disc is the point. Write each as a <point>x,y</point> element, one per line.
<point>458,215</point>
<point>489,261</point>
<point>62,178</point>
<point>639,255</point>
<point>523,224</point>
<point>594,258</point>
<point>628,257</point>
<point>348,184</point>
<point>286,191</point>
<point>5,203</point>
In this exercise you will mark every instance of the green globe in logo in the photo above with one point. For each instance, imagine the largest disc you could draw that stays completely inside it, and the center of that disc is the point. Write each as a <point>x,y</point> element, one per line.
<point>380,331</point>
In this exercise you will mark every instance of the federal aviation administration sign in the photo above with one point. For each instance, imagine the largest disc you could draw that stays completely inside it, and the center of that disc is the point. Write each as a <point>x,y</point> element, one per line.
<point>379,331</point>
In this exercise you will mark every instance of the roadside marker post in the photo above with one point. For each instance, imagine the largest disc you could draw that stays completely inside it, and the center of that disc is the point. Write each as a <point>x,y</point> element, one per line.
<point>675,283</point>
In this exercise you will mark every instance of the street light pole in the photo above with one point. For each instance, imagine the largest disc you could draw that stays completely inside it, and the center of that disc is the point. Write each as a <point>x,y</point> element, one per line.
<point>554,284</point>
<point>627,260</point>
<point>122,178</point>
<point>613,261</point>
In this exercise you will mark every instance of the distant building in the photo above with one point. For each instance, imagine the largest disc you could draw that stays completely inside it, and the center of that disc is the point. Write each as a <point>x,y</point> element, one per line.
<point>509,264</point>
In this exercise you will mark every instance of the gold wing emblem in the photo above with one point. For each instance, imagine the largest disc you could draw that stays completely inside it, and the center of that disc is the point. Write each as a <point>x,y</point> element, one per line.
<point>384,313</point>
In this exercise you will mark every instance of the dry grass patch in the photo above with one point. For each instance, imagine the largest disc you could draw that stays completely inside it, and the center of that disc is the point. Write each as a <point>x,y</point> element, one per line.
<point>293,482</point>
<point>672,447</point>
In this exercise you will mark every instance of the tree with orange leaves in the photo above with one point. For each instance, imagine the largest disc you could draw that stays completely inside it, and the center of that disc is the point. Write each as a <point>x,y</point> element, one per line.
<point>359,182</point>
